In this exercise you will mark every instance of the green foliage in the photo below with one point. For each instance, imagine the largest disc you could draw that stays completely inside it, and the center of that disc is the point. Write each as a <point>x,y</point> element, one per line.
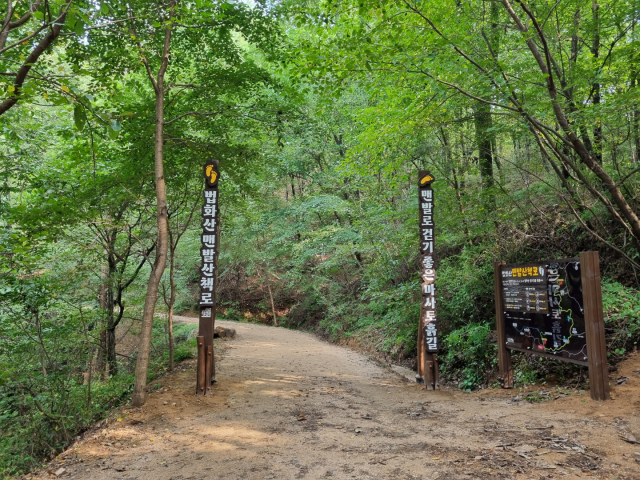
<point>622,318</point>
<point>40,414</point>
<point>320,114</point>
<point>471,357</point>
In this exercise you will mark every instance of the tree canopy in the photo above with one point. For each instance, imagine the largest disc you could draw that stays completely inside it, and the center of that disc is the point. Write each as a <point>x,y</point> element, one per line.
<point>320,115</point>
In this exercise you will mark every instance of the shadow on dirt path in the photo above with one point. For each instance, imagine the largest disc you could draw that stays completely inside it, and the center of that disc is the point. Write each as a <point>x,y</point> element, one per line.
<point>290,406</point>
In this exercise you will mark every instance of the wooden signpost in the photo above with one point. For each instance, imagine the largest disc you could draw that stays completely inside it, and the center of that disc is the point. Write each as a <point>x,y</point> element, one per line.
<point>428,330</point>
<point>552,309</point>
<point>210,237</point>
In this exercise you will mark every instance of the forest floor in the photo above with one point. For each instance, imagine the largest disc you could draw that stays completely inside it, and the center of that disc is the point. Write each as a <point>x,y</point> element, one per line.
<point>290,406</point>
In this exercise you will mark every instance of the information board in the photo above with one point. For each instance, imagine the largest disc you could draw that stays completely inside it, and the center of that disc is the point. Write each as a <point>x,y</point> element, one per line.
<point>544,310</point>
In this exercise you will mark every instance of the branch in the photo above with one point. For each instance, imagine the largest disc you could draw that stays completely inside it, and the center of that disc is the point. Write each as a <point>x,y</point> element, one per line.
<point>192,114</point>
<point>628,175</point>
<point>25,17</point>
<point>145,62</point>
<point>30,36</point>
<point>33,58</point>
<point>598,237</point>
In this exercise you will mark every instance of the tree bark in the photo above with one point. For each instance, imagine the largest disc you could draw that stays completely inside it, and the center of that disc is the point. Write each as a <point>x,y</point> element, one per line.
<point>595,50</point>
<point>110,337</point>
<point>172,297</point>
<point>102,341</point>
<point>635,117</point>
<point>484,142</point>
<point>273,307</point>
<point>139,396</point>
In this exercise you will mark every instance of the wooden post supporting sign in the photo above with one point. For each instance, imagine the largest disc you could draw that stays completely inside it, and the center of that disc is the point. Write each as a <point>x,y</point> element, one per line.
<point>594,324</point>
<point>505,367</point>
<point>428,330</point>
<point>208,278</point>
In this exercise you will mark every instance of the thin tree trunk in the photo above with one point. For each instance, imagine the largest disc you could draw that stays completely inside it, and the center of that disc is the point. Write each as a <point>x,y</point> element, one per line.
<point>139,396</point>
<point>635,117</point>
<point>483,122</point>
<point>110,340</point>
<point>89,361</point>
<point>172,298</point>
<point>43,352</point>
<point>273,307</point>
<point>456,185</point>
<point>595,50</point>
<point>102,336</point>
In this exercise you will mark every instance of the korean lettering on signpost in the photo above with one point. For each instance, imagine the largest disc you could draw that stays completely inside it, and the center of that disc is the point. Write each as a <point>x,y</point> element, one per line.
<point>208,276</point>
<point>209,250</point>
<point>428,310</point>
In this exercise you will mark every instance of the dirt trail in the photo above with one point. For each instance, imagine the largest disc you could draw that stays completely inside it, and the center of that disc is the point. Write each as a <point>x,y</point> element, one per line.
<point>290,406</point>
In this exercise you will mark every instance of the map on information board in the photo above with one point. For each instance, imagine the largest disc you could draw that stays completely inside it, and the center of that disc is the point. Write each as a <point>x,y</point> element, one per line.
<point>543,308</point>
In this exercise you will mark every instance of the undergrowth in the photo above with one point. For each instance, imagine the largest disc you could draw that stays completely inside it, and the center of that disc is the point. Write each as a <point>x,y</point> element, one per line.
<point>41,414</point>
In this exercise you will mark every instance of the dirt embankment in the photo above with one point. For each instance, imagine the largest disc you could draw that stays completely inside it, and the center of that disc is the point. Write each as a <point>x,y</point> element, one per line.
<point>290,406</point>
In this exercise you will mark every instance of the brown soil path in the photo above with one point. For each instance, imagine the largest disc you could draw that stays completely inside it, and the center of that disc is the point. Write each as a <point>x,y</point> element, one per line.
<point>290,406</point>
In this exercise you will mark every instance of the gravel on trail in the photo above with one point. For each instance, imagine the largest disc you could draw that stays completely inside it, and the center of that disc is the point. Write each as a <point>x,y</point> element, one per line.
<point>288,405</point>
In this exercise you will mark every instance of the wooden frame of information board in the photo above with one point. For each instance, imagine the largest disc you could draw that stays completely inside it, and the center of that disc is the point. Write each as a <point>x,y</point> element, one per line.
<point>596,352</point>
<point>428,329</point>
<point>210,238</point>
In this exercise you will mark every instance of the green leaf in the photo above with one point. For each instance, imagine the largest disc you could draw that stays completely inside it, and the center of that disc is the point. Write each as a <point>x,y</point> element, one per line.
<point>79,116</point>
<point>113,134</point>
<point>79,28</point>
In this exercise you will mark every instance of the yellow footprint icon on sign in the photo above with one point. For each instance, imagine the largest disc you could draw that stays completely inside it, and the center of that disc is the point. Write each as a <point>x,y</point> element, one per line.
<point>211,174</point>
<point>426,179</point>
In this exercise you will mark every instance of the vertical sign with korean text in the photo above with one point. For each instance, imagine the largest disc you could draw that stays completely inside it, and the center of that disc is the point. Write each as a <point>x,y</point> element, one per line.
<point>208,276</point>
<point>427,228</point>
<point>428,333</point>
<point>209,249</point>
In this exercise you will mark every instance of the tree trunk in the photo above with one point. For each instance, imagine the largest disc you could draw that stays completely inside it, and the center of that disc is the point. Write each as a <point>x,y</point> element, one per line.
<point>101,360</point>
<point>635,117</point>
<point>110,339</point>
<point>172,298</point>
<point>483,123</point>
<point>43,352</point>
<point>273,307</point>
<point>595,50</point>
<point>139,395</point>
